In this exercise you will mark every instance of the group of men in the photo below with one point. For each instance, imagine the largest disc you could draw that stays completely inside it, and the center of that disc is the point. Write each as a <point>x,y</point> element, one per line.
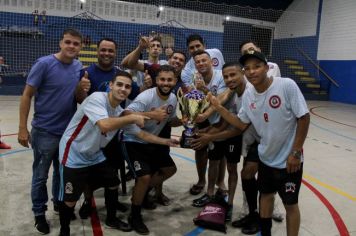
<point>263,117</point>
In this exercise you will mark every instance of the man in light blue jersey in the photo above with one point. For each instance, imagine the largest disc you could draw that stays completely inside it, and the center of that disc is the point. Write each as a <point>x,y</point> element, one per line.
<point>82,159</point>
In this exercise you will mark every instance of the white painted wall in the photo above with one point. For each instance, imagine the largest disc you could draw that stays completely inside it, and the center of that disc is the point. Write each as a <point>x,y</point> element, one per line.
<point>337,39</point>
<point>299,20</point>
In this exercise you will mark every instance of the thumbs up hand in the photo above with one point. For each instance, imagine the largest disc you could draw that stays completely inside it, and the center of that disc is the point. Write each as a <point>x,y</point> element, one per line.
<point>85,82</point>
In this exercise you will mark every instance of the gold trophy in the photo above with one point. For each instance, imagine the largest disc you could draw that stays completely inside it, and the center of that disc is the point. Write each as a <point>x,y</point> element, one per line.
<point>191,105</point>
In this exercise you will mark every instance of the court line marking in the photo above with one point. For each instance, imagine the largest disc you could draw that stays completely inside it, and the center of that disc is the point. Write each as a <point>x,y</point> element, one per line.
<point>325,118</point>
<point>329,187</point>
<point>97,231</point>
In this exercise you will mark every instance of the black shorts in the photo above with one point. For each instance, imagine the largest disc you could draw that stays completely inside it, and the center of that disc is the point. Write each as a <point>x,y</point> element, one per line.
<point>146,159</point>
<point>113,153</point>
<point>252,153</point>
<point>74,180</point>
<point>271,180</point>
<point>230,148</point>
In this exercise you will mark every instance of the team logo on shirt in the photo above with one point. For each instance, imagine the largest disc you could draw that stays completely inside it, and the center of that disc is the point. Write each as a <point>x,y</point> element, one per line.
<point>215,61</point>
<point>290,187</point>
<point>275,101</point>
<point>214,90</point>
<point>68,188</point>
<point>169,109</point>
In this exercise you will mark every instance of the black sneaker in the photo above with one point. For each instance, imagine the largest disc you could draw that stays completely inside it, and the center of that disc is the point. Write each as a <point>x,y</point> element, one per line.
<point>41,224</point>
<point>85,210</point>
<point>252,226</point>
<point>115,223</point>
<point>64,231</point>
<point>228,214</point>
<point>202,201</point>
<point>138,225</point>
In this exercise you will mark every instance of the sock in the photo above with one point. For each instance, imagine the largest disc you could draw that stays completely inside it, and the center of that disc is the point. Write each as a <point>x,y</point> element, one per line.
<point>111,196</point>
<point>250,188</point>
<point>135,210</point>
<point>65,214</point>
<point>266,226</point>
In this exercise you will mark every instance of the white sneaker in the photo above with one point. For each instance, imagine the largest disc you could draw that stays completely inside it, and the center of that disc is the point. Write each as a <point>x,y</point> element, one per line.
<point>277,215</point>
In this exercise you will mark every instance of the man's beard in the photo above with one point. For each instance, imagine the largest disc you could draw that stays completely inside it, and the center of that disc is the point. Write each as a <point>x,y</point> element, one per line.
<point>164,93</point>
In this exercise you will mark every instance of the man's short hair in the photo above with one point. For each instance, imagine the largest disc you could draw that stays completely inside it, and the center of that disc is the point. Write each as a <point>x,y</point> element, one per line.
<point>199,52</point>
<point>180,52</point>
<point>232,63</point>
<point>194,37</point>
<point>121,73</point>
<point>246,42</point>
<point>165,68</point>
<point>107,39</point>
<point>73,32</point>
<point>157,38</point>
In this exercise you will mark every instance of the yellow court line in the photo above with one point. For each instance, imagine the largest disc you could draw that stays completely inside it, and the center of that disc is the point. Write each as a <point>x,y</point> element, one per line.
<point>331,188</point>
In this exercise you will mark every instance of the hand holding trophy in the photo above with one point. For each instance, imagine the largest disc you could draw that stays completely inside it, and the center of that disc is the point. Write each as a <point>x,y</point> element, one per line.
<point>191,104</point>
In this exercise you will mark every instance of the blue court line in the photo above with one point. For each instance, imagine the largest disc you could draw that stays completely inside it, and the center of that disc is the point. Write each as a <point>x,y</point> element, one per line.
<point>15,151</point>
<point>196,231</point>
<point>333,132</point>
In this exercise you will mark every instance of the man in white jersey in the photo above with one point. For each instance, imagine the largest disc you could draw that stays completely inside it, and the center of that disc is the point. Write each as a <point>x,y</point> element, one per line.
<point>196,43</point>
<point>151,164</point>
<point>248,173</point>
<point>278,111</point>
<point>82,160</point>
<point>225,141</point>
<point>207,79</point>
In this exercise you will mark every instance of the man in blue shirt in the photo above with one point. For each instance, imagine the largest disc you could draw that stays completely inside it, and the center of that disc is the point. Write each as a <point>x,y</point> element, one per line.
<point>52,81</point>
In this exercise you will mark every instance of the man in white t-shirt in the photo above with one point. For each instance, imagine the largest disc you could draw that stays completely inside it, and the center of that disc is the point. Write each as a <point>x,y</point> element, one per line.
<point>80,150</point>
<point>207,79</point>
<point>196,43</point>
<point>278,111</point>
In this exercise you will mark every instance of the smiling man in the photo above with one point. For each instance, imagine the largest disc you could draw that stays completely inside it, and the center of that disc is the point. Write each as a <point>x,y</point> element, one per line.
<point>82,159</point>
<point>52,81</point>
<point>279,113</point>
<point>151,163</point>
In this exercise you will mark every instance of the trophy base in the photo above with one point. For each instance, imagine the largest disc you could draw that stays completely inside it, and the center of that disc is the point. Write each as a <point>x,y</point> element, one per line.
<point>186,140</point>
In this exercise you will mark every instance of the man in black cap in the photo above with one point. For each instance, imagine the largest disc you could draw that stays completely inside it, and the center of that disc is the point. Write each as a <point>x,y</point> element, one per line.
<point>278,111</point>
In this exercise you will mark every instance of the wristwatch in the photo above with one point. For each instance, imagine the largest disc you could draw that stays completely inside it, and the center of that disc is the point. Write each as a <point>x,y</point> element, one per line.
<point>297,154</point>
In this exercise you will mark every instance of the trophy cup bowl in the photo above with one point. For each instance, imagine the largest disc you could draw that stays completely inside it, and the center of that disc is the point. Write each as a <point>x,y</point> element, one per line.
<point>191,105</point>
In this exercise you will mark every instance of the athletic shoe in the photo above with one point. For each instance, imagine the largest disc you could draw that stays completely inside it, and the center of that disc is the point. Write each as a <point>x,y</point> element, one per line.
<point>202,201</point>
<point>138,225</point>
<point>252,227</point>
<point>115,223</point>
<point>41,224</point>
<point>4,146</point>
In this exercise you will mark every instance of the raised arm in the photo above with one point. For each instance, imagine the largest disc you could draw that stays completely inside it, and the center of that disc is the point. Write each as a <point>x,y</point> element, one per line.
<point>131,61</point>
